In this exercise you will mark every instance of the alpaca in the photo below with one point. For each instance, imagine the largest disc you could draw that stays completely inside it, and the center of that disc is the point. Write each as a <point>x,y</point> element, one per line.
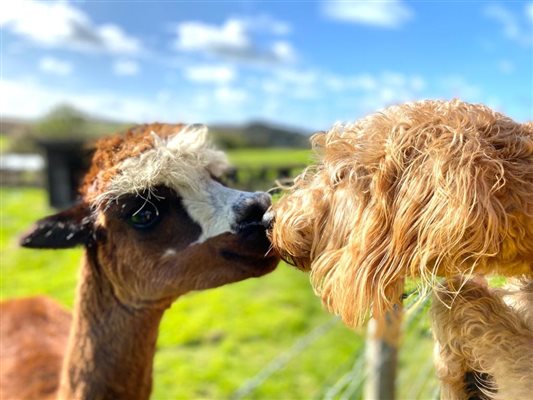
<point>155,223</point>
<point>484,340</point>
<point>423,189</point>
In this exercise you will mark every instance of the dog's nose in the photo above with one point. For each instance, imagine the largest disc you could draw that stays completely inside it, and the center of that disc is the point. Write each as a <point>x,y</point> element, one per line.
<point>252,208</point>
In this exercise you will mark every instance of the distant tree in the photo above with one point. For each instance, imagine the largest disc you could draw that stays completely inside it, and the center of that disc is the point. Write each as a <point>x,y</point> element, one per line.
<point>227,140</point>
<point>63,122</point>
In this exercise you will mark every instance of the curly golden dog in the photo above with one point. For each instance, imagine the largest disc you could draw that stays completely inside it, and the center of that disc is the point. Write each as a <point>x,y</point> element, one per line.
<point>424,189</point>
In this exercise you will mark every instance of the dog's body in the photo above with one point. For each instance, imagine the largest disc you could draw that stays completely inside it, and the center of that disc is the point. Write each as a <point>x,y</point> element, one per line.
<point>424,189</point>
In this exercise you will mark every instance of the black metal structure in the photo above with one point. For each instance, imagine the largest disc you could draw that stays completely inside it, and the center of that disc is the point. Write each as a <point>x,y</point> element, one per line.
<point>66,163</point>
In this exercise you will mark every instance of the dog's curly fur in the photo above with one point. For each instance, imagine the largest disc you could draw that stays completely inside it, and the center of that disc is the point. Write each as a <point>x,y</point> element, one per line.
<point>485,333</point>
<point>430,188</point>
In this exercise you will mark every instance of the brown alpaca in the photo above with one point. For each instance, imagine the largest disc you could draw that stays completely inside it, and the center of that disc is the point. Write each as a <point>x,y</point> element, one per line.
<point>484,340</point>
<point>156,224</point>
<point>423,189</point>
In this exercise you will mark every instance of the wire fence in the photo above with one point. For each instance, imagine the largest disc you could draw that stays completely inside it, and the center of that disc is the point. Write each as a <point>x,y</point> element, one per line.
<point>300,345</point>
<point>416,375</point>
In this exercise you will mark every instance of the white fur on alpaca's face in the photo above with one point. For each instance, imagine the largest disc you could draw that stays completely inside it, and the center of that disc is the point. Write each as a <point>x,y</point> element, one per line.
<point>214,208</point>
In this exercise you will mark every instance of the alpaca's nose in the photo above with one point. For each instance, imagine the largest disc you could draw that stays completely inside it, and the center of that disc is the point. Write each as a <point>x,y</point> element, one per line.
<point>252,208</point>
<point>268,219</point>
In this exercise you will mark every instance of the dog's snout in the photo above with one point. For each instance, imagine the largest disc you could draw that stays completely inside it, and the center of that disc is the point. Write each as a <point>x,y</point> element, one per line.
<point>252,209</point>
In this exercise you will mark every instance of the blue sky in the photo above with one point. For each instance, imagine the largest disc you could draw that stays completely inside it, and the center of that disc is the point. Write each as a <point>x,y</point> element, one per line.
<point>301,63</point>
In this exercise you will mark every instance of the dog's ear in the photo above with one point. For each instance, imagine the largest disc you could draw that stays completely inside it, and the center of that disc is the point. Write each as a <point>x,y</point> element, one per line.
<point>362,278</point>
<point>65,229</point>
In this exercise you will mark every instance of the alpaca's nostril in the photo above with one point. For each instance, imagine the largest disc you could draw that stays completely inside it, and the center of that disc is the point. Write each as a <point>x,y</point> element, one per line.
<point>252,209</point>
<point>252,213</point>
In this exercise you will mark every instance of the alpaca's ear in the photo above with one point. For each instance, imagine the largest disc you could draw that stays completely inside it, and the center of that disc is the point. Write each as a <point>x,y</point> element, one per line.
<point>68,228</point>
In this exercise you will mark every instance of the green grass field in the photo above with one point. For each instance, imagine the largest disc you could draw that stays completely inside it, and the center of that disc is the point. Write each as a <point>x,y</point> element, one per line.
<point>269,157</point>
<point>265,338</point>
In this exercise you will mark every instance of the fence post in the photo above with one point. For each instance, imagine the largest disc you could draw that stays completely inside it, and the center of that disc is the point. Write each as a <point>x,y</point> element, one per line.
<point>382,356</point>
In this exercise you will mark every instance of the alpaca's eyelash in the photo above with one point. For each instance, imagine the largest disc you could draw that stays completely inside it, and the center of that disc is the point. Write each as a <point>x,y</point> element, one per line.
<point>135,204</point>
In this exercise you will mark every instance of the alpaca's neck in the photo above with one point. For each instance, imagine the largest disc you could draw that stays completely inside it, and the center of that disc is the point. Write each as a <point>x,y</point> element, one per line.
<point>111,346</point>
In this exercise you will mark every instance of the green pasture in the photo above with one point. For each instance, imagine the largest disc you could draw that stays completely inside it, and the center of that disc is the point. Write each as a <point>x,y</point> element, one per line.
<point>265,338</point>
<point>269,157</point>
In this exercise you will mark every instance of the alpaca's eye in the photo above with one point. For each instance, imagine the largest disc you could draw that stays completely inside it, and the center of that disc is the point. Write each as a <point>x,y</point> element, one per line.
<point>145,217</point>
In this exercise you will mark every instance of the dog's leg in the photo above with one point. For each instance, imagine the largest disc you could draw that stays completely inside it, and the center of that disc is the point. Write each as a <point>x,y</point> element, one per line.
<point>477,333</point>
<point>451,370</point>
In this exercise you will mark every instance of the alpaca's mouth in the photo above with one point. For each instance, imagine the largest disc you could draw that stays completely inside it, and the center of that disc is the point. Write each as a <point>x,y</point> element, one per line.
<point>252,264</point>
<point>246,258</point>
<point>254,237</point>
<point>252,248</point>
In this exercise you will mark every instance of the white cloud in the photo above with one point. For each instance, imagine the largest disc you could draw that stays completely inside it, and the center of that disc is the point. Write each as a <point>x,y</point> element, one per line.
<point>61,25</point>
<point>117,41</point>
<point>233,40</point>
<point>55,66</point>
<point>230,36</point>
<point>378,89</point>
<point>221,74</point>
<point>312,96</point>
<point>283,50</point>
<point>384,14</point>
<point>29,99</point>
<point>512,27</point>
<point>227,94</point>
<point>126,68</point>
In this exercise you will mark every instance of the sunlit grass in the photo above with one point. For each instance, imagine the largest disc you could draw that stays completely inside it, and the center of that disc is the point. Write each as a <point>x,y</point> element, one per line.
<point>270,157</point>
